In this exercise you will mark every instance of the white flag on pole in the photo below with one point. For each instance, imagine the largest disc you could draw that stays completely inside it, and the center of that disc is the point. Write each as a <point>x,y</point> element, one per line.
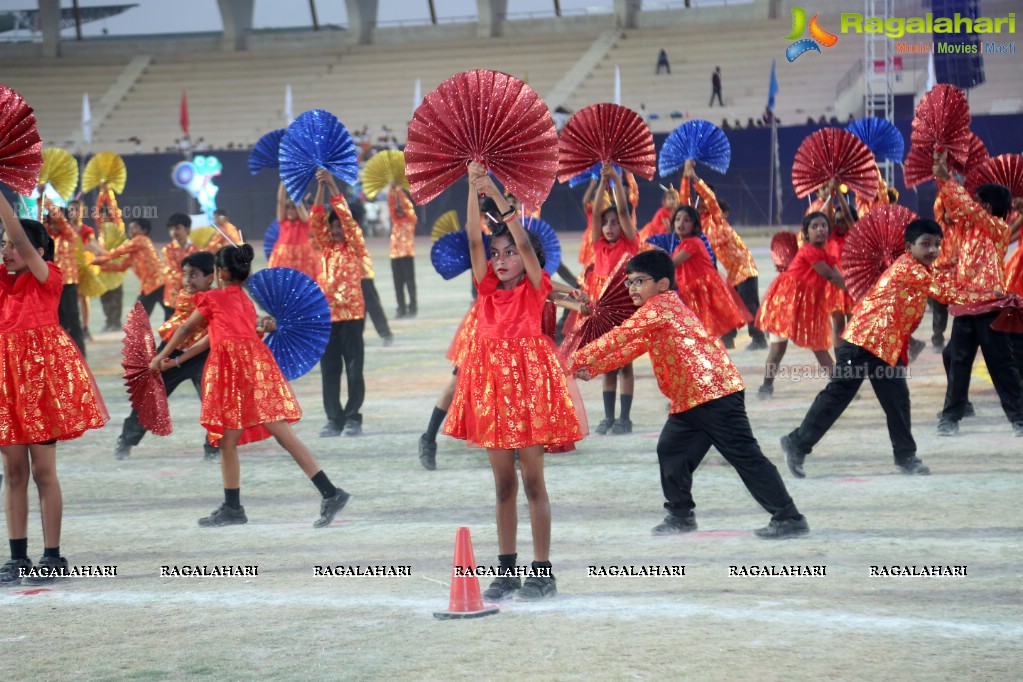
<point>618,85</point>
<point>289,112</point>
<point>86,120</point>
<point>417,95</point>
<point>931,79</point>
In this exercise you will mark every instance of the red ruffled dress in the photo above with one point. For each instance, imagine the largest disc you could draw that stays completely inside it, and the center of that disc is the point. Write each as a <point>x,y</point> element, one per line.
<point>1014,271</point>
<point>48,392</point>
<point>242,386</point>
<point>464,336</point>
<point>838,301</point>
<point>702,289</point>
<point>511,391</point>
<point>294,249</point>
<point>795,305</point>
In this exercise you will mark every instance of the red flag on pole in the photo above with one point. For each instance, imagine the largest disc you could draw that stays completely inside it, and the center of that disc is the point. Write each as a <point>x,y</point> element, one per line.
<point>184,112</point>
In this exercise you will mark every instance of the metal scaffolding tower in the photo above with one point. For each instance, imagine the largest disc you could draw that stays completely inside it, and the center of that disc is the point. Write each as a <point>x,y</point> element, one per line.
<point>879,72</point>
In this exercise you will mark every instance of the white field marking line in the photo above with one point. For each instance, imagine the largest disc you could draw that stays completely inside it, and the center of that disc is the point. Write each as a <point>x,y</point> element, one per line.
<point>582,605</point>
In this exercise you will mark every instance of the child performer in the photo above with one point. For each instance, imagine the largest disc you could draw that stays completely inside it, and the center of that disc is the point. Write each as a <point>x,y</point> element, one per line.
<point>197,269</point>
<point>876,344</point>
<point>342,251</point>
<point>794,306</point>
<point>699,284</point>
<point>141,256</point>
<point>89,285</point>
<point>224,227</point>
<point>180,226</point>
<point>374,309</point>
<point>661,222</point>
<point>512,394</point>
<point>839,303</point>
<point>245,397</point>
<point>293,248</point>
<point>67,243</point>
<point>111,235</point>
<point>403,250</point>
<point>729,248</point>
<point>983,241</point>
<point>48,392</point>
<point>707,399</point>
<point>614,236</point>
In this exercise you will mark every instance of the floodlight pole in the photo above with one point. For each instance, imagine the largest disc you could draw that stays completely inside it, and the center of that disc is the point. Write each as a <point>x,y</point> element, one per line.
<point>312,10</point>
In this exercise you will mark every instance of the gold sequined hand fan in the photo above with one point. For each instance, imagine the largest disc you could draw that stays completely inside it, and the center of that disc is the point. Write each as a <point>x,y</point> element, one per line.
<point>381,170</point>
<point>105,167</point>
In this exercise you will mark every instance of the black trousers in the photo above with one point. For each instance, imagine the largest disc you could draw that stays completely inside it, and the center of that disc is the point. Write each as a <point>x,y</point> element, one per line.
<point>749,292</point>
<point>344,351</point>
<point>111,301</point>
<point>566,274</point>
<point>70,317</point>
<point>132,431</point>
<point>685,440</point>
<point>150,300</point>
<point>716,93</point>
<point>970,332</point>
<point>404,271</point>
<point>853,364</point>
<point>939,320</point>
<point>374,309</point>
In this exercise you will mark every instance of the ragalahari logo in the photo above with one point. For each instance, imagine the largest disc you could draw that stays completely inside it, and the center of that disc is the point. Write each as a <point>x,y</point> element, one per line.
<point>818,36</point>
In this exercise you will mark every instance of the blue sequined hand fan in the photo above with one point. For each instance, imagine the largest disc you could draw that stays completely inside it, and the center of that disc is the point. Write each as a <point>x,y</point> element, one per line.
<point>549,240</point>
<point>668,241</point>
<point>302,314</point>
<point>881,136</point>
<point>270,238</point>
<point>316,139</point>
<point>265,152</point>
<point>592,174</point>
<point>450,254</point>
<point>699,140</point>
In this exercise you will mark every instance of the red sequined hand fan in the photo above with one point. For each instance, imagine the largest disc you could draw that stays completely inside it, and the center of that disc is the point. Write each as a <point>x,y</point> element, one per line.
<point>606,133</point>
<point>483,116</point>
<point>784,246</point>
<point>976,155</point>
<point>21,149</point>
<point>146,391</point>
<point>1004,169</point>
<point>918,166</point>
<point>872,245</point>
<point>613,307</point>
<point>1010,320</point>
<point>833,154</point>
<point>942,121</point>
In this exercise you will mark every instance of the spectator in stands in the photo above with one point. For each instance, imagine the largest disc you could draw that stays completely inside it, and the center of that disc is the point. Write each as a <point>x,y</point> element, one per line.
<point>833,120</point>
<point>662,61</point>
<point>851,118</point>
<point>823,120</point>
<point>738,124</point>
<point>750,123</point>
<point>725,125</point>
<point>810,121</point>
<point>715,82</point>
<point>561,116</point>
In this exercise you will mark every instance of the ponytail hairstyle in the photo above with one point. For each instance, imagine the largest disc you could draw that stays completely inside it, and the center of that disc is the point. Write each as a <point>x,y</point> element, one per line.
<point>809,218</point>
<point>38,237</point>
<point>237,260</point>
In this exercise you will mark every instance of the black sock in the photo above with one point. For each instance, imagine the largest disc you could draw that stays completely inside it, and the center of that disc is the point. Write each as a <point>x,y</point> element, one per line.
<point>436,421</point>
<point>233,497</point>
<point>19,548</point>
<point>507,562</point>
<point>768,381</point>
<point>626,406</point>
<point>543,568</point>
<point>609,405</point>
<point>324,485</point>
<point>52,552</point>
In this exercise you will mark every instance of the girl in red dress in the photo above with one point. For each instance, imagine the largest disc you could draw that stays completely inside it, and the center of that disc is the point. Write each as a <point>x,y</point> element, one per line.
<point>512,393</point>
<point>839,302</point>
<point>795,305</point>
<point>699,285</point>
<point>245,398</point>
<point>48,392</point>
<point>294,248</point>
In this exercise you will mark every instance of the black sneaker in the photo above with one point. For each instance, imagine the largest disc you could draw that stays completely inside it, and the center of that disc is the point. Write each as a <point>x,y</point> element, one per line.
<point>765,392</point>
<point>388,341</point>
<point>224,516</point>
<point>782,530</point>
<point>353,428</point>
<point>913,467</point>
<point>938,346</point>
<point>604,426</point>
<point>502,588</point>
<point>427,453</point>
<point>947,427</point>
<point>621,427</point>
<point>211,454</point>
<point>757,344</point>
<point>122,450</point>
<point>915,348</point>
<point>538,588</point>
<point>331,430</point>
<point>968,411</point>
<point>49,570</point>
<point>674,525</point>
<point>793,458</point>
<point>330,507</point>
<point>729,342</point>
<point>10,572</point>
<point>1017,429</point>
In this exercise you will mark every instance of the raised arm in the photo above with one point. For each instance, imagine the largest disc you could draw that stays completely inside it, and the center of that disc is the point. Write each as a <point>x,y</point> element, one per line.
<point>15,234</point>
<point>706,194</point>
<point>282,201</point>
<point>621,201</point>
<point>472,224</point>
<point>531,264</point>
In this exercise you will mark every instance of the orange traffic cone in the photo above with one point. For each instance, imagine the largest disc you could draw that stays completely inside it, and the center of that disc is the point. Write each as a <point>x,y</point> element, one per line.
<point>466,600</point>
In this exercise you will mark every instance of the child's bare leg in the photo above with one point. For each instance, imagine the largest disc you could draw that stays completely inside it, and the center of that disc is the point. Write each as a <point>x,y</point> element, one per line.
<point>774,358</point>
<point>531,463</point>
<point>628,379</point>
<point>16,472</point>
<point>298,450</point>
<point>230,466</point>
<point>506,487</point>
<point>825,360</point>
<point>837,326</point>
<point>51,502</point>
